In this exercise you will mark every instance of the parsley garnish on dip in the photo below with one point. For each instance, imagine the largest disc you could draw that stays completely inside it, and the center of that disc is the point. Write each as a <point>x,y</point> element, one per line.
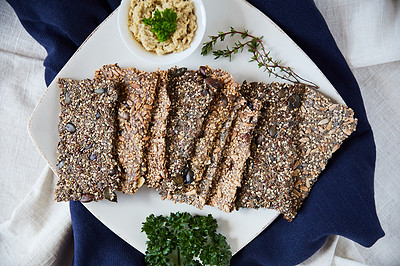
<point>163,26</point>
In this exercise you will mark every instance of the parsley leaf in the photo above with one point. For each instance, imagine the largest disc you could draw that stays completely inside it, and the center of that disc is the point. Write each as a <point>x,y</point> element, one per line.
<point>163,23</point>
<point>183,239</point>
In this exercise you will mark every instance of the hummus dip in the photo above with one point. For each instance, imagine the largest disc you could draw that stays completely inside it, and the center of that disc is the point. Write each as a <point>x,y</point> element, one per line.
<point>179,40</point>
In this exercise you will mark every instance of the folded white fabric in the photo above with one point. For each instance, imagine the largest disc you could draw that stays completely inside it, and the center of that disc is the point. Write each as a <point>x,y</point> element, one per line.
<point>34,230</point>
<point>21,86</point>
<point>39,231</point>
<point>336,251</point>
<point>367,32</point>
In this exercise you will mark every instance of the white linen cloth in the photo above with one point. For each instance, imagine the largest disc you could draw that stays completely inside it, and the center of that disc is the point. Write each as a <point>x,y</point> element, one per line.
<point>34,230</point>
<point>367,32</point>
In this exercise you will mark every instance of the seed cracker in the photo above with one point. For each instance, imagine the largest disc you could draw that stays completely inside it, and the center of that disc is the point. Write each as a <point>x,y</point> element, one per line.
<point>134,115</point>
<point>312,133</point>
<point>267,180</point>
<point>87,165</point>
<point>156,161</point>
<point>210,144</point>
<point>235,155</point>
<point>325,125</point>
<point>190,97</point>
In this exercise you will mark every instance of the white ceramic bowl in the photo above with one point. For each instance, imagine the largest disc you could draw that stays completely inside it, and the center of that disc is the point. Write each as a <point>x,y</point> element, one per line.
<point>137,49</point>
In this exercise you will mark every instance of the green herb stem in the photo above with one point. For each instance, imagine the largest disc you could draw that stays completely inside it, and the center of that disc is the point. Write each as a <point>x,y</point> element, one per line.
<point>256,47</point>
<point>179,257</point>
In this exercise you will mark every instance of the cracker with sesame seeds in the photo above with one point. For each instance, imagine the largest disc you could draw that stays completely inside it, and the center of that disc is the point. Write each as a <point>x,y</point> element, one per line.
<point>138,92</point>
<point>293,141</point>
<point>267,180</point>
<point>323,128</point>
<point>155,157</point>
<point>87,165</point>
<point>236,152</point>
<point>190,94</point>
<point>210,144</point>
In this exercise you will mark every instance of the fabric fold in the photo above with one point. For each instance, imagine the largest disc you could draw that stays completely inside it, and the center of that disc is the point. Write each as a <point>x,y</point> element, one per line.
<point>35,218</point>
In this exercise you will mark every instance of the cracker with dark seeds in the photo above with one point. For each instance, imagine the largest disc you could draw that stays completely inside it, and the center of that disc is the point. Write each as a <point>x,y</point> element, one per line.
<point>209,145</point>
<point>134,115</point>
<point>281,177</point>
<point>267,179</point>
<point>190,94</point>
<point>255,90</point>
<point>211,174</point>
<point>323,128</point>
<point>87,165</point>
<point>235,155</point>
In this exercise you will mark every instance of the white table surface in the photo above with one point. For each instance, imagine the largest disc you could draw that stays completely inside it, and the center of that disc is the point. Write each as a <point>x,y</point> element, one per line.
<point>34,230</point>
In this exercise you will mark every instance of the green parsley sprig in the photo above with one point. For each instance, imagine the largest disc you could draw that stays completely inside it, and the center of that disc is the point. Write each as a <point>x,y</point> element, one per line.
<point>255,47</point>
<point>183,239</point>
<point>163,24</point>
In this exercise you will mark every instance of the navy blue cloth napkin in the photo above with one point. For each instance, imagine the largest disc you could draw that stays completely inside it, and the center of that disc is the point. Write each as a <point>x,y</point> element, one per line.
<point>341,202</point>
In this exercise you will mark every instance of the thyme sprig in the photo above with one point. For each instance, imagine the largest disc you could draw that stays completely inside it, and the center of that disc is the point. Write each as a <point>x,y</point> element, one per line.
<point>255,46</point>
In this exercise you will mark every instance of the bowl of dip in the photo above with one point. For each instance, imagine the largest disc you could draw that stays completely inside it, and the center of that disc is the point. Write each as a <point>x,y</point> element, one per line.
<point>143,43</point>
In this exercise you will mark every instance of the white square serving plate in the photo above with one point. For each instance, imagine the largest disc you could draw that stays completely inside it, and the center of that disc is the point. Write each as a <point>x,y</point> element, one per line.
<point>105,46</point>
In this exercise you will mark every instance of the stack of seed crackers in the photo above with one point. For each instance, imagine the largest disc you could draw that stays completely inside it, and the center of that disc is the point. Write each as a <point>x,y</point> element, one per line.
<point>197,137</point>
